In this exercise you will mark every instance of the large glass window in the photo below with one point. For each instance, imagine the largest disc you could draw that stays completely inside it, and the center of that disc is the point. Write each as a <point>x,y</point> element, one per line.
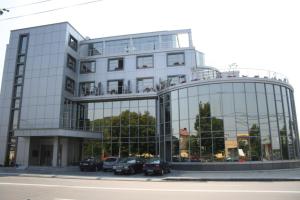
<point>145,43</point>
<point>73,43</point>
<point>70,85</point>
<point>115,64</point>
<point>20,70</point>
<point>115,87</point>
<point>175,59</point>
<point>71,62</point>
<point>87,89</point>
<point>23,44</point>
<point>175,80</point>
<point>145,85</point>
<point>95,49</point>
<point>144,62</point>
<point>117,46</point>
<point>87,67</point>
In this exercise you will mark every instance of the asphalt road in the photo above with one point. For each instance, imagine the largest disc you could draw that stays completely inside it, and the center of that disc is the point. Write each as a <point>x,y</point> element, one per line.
<point>32,188</point>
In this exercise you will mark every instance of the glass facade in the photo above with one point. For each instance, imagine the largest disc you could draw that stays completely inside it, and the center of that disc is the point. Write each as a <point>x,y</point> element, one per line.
<point>128,127</point>
<point>232,122</point>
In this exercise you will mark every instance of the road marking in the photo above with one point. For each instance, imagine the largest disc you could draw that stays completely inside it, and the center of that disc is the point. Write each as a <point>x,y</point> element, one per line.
<point>151,189</point>
<point>62,199</point>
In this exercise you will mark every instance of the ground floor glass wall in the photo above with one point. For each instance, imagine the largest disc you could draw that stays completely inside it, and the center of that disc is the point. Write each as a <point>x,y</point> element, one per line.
<point>228,122</point>
<point>128,127</point>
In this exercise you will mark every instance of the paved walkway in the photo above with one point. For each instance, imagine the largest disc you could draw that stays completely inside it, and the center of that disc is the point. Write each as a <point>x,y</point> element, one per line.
<point>175,175</point>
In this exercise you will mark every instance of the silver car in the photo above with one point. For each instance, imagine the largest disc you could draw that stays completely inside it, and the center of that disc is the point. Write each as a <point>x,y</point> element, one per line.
<point>109,162</point>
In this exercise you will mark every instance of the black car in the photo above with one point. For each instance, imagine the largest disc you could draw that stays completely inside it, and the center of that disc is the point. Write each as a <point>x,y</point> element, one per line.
<point>90,164</point>
<point>156,166</point>
<point>130,165</point>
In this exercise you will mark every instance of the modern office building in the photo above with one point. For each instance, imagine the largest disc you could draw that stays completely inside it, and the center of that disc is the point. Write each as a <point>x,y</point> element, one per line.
<point>65,97</point>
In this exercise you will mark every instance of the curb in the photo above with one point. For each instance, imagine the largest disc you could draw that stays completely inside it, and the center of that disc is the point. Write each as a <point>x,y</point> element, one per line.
<point>148,179</point>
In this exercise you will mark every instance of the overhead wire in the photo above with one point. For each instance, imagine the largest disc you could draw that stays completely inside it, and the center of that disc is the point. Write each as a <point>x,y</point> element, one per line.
<point>51,10</point>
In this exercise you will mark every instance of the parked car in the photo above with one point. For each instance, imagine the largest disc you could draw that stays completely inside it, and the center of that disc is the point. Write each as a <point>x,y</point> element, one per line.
<point>156,166</point>
<point>109,162</point>
<point>90,164</point>
<point>130,165</point>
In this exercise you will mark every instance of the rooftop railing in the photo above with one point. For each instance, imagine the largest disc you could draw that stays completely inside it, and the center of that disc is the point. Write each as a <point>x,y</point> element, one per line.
<point>212,73</point>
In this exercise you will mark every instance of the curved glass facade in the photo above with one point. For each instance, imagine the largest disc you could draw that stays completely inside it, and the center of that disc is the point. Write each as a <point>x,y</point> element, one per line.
<point>228,122</point>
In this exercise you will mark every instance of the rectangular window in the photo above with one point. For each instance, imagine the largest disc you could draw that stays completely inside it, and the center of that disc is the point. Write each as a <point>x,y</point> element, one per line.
<point>73,43</point>
<point>18,80</point>
<point>115,87</point>
<point>87,89</point>
<point>145,85</point>
<point>115,64</point>
<point>23,44</point>
<point>175,80</point>
<point>20,70</point>
<point>21,59</point>
<point>95,49</point>
<point>144,62</point>
<point>18,90</point>
<point>71,62</point>
<point>87,67</point>
<point>16,103</point>
<point>70,85</point>
<point>175,59</point>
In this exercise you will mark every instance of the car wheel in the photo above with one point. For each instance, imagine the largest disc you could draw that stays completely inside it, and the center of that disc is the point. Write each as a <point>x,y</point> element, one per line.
<point>81,170</point>
<point>146,174</point>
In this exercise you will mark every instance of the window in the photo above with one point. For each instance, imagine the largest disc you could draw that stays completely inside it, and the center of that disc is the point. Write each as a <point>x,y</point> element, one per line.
<point>73,43</point>
<point>174,80</point>
<point>18,90</point>
<point>87,88</point>
<point>115,87</point>
<point>21,59</point>
<point>115,64</point>
<point>144,85</point>
<point>23,44</point>
<point>175,59</point>
<point>87,67</point>
<point>117,46</point>
<point>95,49</point>
<point>145,43</point>
<point>144,62</point>
<point>71,62</point>
<point>70,85</point>
<point>20,70</point>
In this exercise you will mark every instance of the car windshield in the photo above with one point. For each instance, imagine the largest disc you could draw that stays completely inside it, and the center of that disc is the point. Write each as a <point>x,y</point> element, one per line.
<point>153,161</point>
<point>128,160</point>
<point>110,159</point>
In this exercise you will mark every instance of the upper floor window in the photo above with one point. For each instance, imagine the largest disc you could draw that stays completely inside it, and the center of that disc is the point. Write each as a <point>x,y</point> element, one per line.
<point>73,43</point>
<point>115,64</point>
<point>175,59</point>
<point>95,49</point>
<point>87,67</point>
<point>174,80</point>
<point>23,42</point>
<point>87,88</point>
<point>144,62</point>
<point>71,62</point>
<point>117,46</point>
<point>70,85</point>
<point>145,85</point>
<point>115,87</point>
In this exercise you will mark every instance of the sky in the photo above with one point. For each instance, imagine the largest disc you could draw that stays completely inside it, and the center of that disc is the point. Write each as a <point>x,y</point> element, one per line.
<point>258,34</point>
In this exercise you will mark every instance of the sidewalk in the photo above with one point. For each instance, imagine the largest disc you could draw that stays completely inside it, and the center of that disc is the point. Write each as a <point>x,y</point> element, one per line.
<point>175,175</point>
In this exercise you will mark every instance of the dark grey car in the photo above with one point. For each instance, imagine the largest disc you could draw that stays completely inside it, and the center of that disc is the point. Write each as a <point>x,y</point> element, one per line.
<point>109,163</point>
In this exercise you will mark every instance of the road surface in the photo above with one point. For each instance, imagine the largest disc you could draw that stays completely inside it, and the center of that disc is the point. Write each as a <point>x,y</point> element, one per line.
<point>34,188</point>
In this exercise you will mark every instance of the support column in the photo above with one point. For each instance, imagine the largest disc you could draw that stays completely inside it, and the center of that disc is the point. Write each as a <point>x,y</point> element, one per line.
<point>55,152</point>
<point>23,151</point>
<point>64,152</point>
